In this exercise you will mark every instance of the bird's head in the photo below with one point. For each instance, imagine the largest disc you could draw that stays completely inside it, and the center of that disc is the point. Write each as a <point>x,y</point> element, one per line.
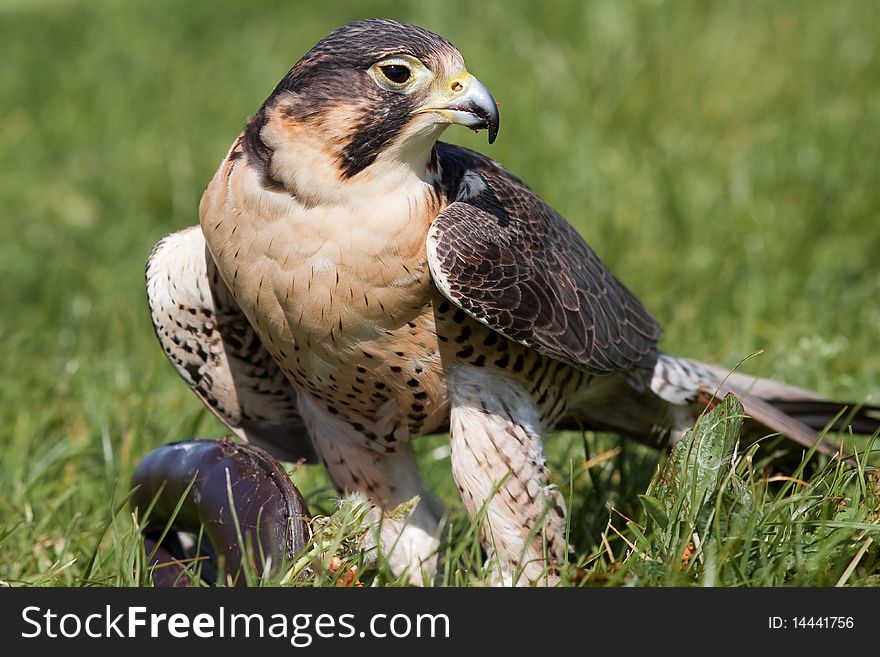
<point>371,92</point>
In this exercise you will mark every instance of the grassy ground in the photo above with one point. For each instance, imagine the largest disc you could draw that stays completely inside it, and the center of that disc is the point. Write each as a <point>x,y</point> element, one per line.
<point>721,157</point>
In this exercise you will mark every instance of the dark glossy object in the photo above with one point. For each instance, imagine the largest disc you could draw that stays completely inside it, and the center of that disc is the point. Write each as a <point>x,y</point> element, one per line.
<point>272,515</point>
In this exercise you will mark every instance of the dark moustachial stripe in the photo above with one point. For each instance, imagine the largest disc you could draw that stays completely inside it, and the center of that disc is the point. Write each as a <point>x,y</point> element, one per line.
<point>370,136</point>
<point>335,71</point>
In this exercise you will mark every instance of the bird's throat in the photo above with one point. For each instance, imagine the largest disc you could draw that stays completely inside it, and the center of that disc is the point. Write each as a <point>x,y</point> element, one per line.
<point>310,160</point>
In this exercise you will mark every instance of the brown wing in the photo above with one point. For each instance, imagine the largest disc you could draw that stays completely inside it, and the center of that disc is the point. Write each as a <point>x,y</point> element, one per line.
<point>510,261</point>
<point>214,349</point>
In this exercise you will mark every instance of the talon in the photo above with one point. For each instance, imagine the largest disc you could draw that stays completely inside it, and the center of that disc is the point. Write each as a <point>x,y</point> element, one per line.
<point>270,511</point>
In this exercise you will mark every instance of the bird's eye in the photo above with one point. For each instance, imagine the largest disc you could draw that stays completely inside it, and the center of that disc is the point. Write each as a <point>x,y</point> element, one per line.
<point>396,73</point>
<point>400,74</point>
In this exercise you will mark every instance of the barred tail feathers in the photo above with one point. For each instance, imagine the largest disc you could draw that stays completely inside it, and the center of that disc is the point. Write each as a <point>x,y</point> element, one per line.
<point>799,414</point>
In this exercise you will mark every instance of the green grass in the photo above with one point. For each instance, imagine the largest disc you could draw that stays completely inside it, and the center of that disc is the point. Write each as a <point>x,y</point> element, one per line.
<point>721,157</point>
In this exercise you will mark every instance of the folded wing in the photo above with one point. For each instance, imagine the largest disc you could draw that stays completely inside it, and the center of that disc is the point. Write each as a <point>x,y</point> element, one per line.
<point>214,349</point>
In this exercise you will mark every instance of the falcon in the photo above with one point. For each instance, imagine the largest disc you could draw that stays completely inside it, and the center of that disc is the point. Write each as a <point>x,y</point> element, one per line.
<point>354,283</point>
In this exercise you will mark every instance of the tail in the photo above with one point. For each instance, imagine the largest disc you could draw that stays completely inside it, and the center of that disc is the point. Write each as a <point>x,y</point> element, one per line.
<point>797,413</point>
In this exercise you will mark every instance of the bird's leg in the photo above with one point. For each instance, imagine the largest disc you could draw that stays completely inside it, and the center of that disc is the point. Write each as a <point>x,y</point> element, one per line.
<point>389,479</point>
<point>498,466</point>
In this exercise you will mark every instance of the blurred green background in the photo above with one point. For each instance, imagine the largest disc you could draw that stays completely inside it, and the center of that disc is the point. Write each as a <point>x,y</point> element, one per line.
<point>721,157</point>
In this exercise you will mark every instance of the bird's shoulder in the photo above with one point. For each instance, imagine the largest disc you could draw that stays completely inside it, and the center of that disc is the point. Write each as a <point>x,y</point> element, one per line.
<point>457,164</point>
<point>508,259</point>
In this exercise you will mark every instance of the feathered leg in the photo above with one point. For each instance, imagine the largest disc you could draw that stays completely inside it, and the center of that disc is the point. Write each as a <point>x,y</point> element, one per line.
<point>498,465</point>
<point>389,479</point>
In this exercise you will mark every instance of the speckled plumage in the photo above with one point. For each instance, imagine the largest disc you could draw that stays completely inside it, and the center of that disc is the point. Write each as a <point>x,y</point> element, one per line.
<point>355,284</point>
<point>218,354</point>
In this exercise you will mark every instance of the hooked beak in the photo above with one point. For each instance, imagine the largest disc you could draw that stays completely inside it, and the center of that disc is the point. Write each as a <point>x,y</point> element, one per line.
<point>466,101</point>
